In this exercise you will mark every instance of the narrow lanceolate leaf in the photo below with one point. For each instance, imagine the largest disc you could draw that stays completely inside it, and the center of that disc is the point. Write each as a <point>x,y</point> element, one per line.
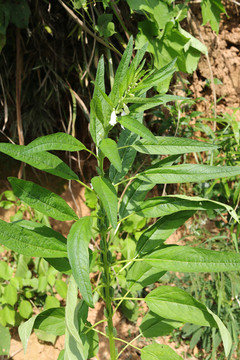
<point>159,352</point>
<point>135,126</point>
<point>40,160</point>
<point>77,245</point>
<point>171,146</point>
<point>191,259</point>
<point>188,173</point>
<point>127,155</point>
<point>120,81</point>
<point>153,325</point>
<point>72,335</point>
<point>42,242</point>
<point>107,194</point>
<point>157,233</point>
<point>166,205</point>
<point>225,335</point>
<point>110,150</point>
<point>42,199</point>
<point>58,141</point>
<point>173,303</point>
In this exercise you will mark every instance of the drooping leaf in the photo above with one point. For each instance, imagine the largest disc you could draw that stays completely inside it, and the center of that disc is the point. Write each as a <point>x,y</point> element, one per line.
<point>173,303</point>
<point>192,259</point>
<point>40,160</point>
<point>225,335</point>
<point>171,146</point>
<point>188,173</point>
<point>57,141</point>
<point>110,150</point>
<point>159,352</point>
<point>77,245</point>
<point>153,325</point>
<point>74,347</point>
<point>107,194</point>
<point>42,242</point>
<point>211,11</point>
<point>42,199</point>
<point>135,126</point>
<point>51,321</point>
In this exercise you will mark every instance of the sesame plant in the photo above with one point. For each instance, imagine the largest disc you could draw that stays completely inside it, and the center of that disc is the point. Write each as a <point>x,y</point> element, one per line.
<point>120,196</point>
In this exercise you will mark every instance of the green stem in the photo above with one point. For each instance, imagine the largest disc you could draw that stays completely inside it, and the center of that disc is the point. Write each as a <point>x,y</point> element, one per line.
<point>87,187</point>
<point>108,300</point>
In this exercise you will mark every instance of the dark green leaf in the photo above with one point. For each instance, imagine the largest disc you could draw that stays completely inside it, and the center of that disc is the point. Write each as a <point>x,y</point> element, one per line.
<point>153,325</point>
<point>188,173</point>
<point>173,303</point>
<point>107,194</point>
<point>51,321</point>
<point>171,146</point>
<point>42,199</point>
<point>136,127</point>
<point>77,244</point>
<point>192,259</point>
<point>110,150</point>
<point>58,141</point>
<point>40,160</point>
<point>42,242</point>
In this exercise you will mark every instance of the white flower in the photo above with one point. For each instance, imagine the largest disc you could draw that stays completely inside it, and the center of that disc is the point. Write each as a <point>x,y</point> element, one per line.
<point>123,113</point>
<point>113,119</point>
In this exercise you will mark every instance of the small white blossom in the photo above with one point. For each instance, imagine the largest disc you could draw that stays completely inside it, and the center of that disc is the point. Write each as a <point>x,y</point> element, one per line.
<point>123,113</point>
<point>113,119</point>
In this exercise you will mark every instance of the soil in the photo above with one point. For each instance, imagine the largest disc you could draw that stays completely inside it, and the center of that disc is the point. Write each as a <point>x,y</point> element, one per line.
<point>224,60</point>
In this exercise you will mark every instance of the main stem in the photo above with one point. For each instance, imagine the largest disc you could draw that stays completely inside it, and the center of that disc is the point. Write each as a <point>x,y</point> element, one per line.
<point>108,299</point>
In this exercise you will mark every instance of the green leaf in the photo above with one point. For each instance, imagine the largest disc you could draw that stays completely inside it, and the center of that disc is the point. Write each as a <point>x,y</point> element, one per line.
<point>120,81</point>
<point>40,160</point>
<point>159,352</point>
<point>160,231</point>
<point>105,26</point>
<point>110,150</point>
<point>25,330</point>
<point>77,244</point>
<point>166,205</point>
<point>107,194</point>
<point>25,309</point>
<point>58,141</point>
<point>153,325</point>
<point>51,302</point>
<point>171,302</point>
<point>74,347</point>
<point>61,355</point>
<point>154,79</point>
<point>42,199</point>
<point>96,125</point>
<point>136,127</point>
<point>211,11</point>
<point>187,173</point>
<point>10,294</point>
<point>5,340</point>
<point>171,146</point>
<point>225,335</point>
<point>52,321</point>
<point>192,259</point>
<point>60,264</point>
<point>5,271</point>
<point>141,274</point>
<point>61,288</point>
<point>42,242</point>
